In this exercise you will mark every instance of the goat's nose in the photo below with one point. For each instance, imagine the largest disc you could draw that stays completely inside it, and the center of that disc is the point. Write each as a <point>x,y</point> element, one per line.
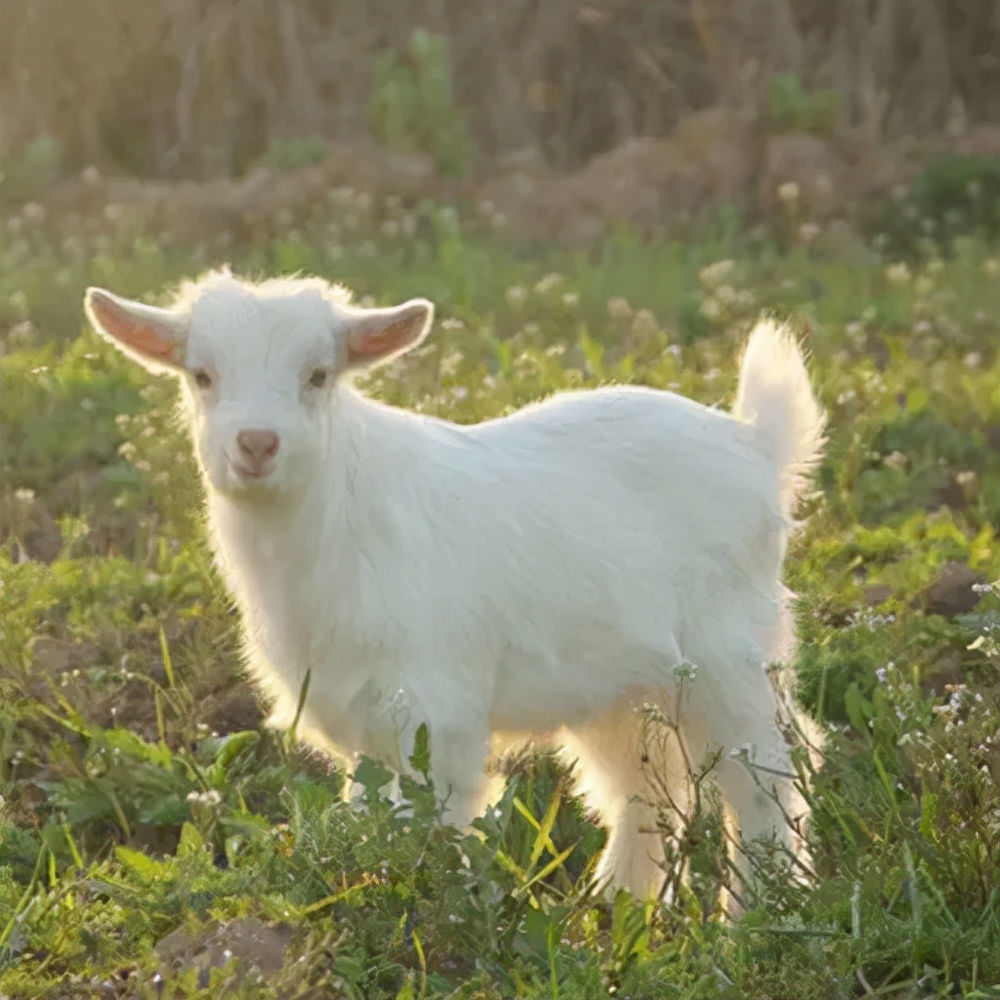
<point>258,444</point>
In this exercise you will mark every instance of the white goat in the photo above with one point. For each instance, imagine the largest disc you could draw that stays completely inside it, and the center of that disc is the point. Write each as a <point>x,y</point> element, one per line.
<point>537,575</point>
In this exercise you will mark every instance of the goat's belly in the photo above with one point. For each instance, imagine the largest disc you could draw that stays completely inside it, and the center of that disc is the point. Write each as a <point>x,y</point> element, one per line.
<point>539,690</point>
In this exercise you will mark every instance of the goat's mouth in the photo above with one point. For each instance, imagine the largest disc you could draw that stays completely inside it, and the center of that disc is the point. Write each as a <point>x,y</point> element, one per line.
<point>244,474</point>
<point>252,474</point>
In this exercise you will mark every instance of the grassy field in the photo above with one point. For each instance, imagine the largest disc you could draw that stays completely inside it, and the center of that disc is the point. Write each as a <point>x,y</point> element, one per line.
<point>156,842</point>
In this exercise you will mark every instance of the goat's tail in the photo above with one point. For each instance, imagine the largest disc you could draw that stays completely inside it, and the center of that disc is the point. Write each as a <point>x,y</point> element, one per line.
<point>775,396</point>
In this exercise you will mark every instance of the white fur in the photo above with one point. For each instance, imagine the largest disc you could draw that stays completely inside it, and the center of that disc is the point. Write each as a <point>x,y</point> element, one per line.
<point>536,575</point>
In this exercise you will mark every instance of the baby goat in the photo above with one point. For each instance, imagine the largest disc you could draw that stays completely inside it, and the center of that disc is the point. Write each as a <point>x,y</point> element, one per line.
<point>537,575</point>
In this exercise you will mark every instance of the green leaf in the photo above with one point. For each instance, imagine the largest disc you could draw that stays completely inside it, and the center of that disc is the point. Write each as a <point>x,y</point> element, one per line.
<point>858,708</point>
<point>408,992</point>
<point>420,759</point>
<point>917,399</point>
<point>533,941</point>
<point>166,810</point>
<point>232,746</point>
<point>557,862</point>
<point>372,777</point>
<point>143,866</point>
<point>191,842</point>
<point>593,354</point>
<point>928,815</point>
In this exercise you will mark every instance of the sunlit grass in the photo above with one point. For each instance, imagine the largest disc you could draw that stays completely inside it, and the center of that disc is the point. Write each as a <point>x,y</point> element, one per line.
<point>141,801</point>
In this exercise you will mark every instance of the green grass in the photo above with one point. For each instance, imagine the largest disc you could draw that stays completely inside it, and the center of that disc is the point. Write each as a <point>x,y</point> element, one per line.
<point>144,810</point>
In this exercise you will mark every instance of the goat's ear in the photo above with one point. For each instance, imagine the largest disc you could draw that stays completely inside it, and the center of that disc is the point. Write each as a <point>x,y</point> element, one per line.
<point>375,335</point>
<point>153,337</point>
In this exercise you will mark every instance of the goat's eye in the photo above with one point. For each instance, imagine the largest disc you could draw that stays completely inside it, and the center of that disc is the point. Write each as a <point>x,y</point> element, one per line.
<point>318,377</point>
<point>202,379</point>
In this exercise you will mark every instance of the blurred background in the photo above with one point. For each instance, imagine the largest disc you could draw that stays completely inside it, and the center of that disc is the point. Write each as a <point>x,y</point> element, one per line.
<point>562,116</point>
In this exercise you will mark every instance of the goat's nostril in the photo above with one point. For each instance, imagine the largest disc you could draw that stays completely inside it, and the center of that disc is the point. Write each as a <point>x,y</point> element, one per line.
<point>258,444</point>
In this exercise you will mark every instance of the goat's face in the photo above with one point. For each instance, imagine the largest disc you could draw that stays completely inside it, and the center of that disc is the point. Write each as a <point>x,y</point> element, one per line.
<point>259,365</point>
<point>258,375</point>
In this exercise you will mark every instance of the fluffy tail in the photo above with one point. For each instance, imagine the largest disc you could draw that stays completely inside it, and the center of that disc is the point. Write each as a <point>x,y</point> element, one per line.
<point>775,396</point>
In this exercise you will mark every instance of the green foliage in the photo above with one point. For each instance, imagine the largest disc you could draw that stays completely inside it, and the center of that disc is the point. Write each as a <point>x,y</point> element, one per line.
<point>292,154</point>
<point>412,106</point>
<point>75,407</point>
<point>27,172</point>
<point>793,108</point>
<point>953,195</point>
<point>141,801</point>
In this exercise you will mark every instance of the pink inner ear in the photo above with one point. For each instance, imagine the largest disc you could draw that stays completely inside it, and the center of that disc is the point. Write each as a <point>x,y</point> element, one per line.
<point>149,342</point>
<point>132,332</point>
<point>375,341</point>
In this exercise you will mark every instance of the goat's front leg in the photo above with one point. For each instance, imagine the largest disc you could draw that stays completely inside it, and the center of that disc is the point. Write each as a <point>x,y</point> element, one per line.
<point>458,733</point>
<point>459,744</point>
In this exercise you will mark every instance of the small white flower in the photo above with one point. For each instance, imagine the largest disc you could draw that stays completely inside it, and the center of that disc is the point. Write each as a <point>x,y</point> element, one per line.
<point>515,296</point>
<point>808,232</point>
<point>645,324</point>
<point>788,193</point>
<point>549,282</point>
<point>898,274</point>
<point>711,309</point>
<point>713,275</point>
<point>618,308</point>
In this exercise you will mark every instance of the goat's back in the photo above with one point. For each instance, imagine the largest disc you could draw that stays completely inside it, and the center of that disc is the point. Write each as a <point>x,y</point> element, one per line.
<point>611,532</point>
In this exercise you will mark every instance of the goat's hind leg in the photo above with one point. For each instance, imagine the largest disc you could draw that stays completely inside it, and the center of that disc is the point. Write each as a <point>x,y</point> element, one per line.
<point>756,774</point>
<point>614,762</point>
